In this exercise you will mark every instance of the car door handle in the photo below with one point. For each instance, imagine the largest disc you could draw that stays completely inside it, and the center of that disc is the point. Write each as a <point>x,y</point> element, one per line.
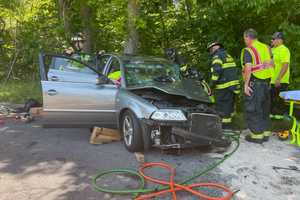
<point>54,78</point>
<point>52,92</point>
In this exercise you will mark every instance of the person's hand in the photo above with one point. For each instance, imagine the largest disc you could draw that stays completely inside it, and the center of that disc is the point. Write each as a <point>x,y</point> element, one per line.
<point>277,83</point>
<point>248,90</point>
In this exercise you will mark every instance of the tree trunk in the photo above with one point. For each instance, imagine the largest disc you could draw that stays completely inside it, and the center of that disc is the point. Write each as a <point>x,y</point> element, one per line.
<point>133,36</point>
<point>63,15</point>
<point>85,11</point>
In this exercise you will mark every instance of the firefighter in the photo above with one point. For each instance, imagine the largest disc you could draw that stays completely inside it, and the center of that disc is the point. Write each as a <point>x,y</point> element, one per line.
<point>172,55</point>
<point>257,73</point>
<point>76,51</point>
<point>224,81</point>
<point>280,78</point>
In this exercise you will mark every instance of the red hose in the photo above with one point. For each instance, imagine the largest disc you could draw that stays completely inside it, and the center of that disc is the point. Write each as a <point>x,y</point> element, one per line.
<point>174,187</point>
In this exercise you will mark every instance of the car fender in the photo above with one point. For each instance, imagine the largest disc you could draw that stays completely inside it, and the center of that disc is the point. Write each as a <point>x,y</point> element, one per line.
<point>127,100</point>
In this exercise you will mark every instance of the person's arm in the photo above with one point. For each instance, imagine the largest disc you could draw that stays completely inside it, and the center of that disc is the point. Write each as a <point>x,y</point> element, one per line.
<point>285,60</point>
<point>216,70</point>
<point>247,76</point>
<point>283,70</point>
<point>247,72</point>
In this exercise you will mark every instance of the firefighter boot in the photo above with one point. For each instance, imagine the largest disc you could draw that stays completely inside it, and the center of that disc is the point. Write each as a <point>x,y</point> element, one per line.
<point>255,138</point>
<point>267,135</point>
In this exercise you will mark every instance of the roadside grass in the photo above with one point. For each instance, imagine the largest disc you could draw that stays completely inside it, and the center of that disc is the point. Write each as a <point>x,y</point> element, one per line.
<point>19,91</point>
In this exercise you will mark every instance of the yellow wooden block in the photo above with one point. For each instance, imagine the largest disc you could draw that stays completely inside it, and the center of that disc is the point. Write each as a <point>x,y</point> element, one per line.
<point>104,135</point>
<point>140,157</point>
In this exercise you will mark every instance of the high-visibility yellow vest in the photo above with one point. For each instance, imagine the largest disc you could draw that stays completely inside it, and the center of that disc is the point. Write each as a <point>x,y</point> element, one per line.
<point>115,75</point>
<point>281,55</point>
<point>261,60</point>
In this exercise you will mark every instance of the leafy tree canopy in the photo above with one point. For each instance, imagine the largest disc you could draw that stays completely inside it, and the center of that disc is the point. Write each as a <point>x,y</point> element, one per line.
<point>30,26</point>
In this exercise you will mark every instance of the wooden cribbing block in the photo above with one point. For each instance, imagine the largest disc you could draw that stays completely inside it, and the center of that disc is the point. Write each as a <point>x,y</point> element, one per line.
<point>104,135</point>
<point>140,157</point>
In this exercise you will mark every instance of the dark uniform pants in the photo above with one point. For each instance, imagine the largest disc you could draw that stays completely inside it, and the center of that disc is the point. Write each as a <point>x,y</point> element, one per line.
<point>257,107</point>
<point>277,103</point>
<point>225,102</point>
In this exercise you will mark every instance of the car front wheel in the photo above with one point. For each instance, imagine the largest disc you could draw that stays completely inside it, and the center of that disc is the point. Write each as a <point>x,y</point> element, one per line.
<point>132,132</point>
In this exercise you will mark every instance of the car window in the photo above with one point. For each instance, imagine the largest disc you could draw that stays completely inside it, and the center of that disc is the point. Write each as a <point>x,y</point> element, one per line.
<point>101,62</point>
<point>69,65</point>
<point>147,72</point>
<point>114,66</point>
<point>114,71</point>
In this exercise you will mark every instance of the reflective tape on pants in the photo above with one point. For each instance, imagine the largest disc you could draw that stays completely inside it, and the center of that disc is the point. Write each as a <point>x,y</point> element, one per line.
<point>257,136</point>
<point>226,120</point>
<point>267,133</point>
<point>228,84</point>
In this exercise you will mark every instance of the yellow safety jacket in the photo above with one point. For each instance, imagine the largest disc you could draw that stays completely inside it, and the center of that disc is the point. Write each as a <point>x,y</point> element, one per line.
<point>261,60</point>
<point>116,75</point>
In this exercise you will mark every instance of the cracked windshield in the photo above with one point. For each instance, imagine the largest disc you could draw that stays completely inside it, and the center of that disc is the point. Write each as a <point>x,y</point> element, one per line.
<point>143,73</point>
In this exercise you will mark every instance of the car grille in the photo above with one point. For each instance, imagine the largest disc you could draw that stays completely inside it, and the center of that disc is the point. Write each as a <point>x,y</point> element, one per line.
<point>206,124</point>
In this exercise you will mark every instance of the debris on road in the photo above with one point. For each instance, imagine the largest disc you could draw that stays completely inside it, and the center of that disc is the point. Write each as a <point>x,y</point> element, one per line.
<point>140,157</point>
<point>104,135</point>
<point>293,168</point>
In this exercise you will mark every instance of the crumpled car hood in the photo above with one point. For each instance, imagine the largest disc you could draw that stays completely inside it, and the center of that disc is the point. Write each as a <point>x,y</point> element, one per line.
<point>187,88</point>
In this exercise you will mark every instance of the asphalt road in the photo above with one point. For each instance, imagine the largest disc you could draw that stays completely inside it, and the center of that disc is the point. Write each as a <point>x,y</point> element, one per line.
<point>54,164</point>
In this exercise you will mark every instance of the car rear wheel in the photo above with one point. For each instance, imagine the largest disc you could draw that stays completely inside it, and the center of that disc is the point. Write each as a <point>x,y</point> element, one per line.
<point>132,132</point>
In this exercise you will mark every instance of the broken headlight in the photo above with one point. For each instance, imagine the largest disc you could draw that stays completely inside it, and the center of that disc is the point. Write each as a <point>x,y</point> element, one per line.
<point>168,115</point>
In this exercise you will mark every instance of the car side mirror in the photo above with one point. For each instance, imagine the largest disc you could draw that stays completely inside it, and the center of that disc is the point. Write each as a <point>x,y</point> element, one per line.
<point>102,80</point>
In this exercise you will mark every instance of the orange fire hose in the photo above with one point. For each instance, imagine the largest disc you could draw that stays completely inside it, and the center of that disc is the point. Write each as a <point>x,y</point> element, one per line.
<point>174,187</point>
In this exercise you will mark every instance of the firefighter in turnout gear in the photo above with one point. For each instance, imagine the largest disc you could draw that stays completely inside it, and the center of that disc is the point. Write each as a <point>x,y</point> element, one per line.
<point>174,56</point>
<point>257,72</point>
<point>224,81</point>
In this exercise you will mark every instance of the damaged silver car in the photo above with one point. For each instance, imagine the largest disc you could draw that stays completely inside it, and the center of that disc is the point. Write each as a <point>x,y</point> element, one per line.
<point>151,103</point>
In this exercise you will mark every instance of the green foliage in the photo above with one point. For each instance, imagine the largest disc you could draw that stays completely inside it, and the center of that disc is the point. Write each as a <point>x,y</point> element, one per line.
<point>20,91</point>
<point>188,25</point>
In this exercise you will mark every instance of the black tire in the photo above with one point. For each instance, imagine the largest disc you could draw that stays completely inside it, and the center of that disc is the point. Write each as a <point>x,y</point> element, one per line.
<point>147,137</point>
<point>135,144</point>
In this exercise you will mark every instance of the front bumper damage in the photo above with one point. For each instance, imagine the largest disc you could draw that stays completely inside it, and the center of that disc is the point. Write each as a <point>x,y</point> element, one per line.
<point>201,129</point>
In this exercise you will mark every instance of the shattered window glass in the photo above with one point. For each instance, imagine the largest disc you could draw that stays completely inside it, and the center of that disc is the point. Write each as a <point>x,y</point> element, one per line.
<point>143,73</point>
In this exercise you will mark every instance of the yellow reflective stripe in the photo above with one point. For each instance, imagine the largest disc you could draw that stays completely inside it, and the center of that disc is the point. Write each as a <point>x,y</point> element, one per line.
<point>267,133</point>
<point>236,91</point>
<point>276,116</point>
<point>228,84</point>
<point>217,61</point>
<point>242,57</point>
<point>183,68</point>
<point>228,65</point>
<point>214,77</point>
<point>257,136</point>
<point>227,120</point>
<point>212,99</point>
